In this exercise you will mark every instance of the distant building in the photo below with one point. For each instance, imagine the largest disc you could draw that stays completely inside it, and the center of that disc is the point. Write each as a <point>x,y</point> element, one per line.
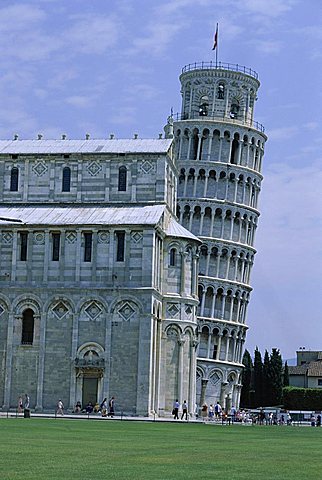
<point>308,370</point>
<point>103,290</point>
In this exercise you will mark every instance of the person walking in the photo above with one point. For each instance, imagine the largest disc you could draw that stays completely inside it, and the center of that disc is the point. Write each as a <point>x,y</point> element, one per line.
<point>111,407</point>
<point>60,408</point>
<point>184,410</point>
<point>175,411</point>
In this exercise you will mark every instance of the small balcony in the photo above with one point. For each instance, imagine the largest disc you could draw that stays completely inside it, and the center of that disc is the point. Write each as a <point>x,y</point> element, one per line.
<point>232,67</point>
<point>195,115</point>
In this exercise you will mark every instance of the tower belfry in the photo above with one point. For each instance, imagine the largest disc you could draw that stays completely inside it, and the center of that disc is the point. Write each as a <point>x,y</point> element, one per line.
<point>219,149</point>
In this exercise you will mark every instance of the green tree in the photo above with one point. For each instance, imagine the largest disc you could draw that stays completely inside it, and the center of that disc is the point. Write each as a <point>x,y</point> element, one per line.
<point>246,379</point>
<point>276,376</point>
<point>286,380</point>
<point>267,389</point>
<point>258,378</point>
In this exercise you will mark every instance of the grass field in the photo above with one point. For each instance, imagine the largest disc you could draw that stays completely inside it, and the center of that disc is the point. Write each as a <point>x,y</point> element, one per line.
<point>78,449</point>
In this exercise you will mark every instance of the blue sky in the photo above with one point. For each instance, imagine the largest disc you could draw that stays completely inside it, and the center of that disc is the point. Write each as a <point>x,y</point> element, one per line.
<point>112,67</point>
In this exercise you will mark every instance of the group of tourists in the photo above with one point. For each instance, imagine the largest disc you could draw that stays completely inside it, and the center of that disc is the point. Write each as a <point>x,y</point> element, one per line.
<point>105,408</point>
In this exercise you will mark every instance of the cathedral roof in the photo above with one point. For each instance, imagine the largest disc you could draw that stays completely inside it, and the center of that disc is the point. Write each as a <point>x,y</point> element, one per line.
<point>136,215</point>
<point>74,215</point>
<point>48,147</point>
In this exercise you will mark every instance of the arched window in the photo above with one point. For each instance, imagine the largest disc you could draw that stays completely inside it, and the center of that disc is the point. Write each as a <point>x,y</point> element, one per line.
<point>172,257</point>
<point>234,109</point>
<point>66,179</point>
<point>221,91</point>
<point>14,179</point>
<point>27,335</point>
<point>122,179</point>
<point>204,106</point>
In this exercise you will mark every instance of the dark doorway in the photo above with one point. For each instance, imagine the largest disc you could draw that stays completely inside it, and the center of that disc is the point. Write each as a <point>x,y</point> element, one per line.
<point>89,390</point>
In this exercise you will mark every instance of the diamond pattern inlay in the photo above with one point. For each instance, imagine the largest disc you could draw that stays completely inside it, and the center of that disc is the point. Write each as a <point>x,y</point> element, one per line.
<point>126,311</point>
<point>40,168</point>
<point>93,310</point>
<point>94,168</point>
<point>60,310</point>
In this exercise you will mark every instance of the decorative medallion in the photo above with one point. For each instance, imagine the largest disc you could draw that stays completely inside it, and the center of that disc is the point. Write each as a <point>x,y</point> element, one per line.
<point>94,168</point>
<point>147,167</point>
<point>126,311</point>
<point>136,237</point>
<point>71,237</point>
<point>40,168</point>
<point>173,310</point>
<point>60,310</point>
<point>39,238</point>
<point>93,310</point>
<point>103,237</point>
<point>7,238</point>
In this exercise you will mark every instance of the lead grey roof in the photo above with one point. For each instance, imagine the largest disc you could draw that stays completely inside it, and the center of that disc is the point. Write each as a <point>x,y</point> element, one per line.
<point>85,146</point>
<point>174,229</point>
<point>146,215</point>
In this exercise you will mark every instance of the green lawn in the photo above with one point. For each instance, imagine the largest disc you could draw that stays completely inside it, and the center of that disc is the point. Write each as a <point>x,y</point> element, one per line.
<point>80,449</point>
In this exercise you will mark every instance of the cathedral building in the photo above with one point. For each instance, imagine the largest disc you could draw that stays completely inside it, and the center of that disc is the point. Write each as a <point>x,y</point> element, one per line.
<point>125,264</point>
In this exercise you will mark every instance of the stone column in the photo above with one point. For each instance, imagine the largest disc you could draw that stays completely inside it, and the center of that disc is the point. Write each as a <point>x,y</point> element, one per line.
<point>193,376</point>
<point>209,344</point>
<point>181,343</point>
<point>183,273</point>
<point>222,394</point>
<point>219,346</point>
<point>199,146</point>
<point>8,368</point>
<point>206,186</point>
<point>204,383</point>
<point>189,146</point>
<point>41,360</point>
<point>72,396</point>
<point>220,148</point>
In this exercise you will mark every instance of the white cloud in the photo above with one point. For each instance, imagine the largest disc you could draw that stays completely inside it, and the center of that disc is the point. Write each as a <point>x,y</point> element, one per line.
<point>92,34</point>
<point>283,133</point>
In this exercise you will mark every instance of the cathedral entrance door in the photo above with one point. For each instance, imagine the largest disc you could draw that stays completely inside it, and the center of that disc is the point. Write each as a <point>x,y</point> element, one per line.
<point>89,390</point>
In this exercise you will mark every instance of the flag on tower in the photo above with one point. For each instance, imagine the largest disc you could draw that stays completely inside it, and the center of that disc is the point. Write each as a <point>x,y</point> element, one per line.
<point>215,39</point>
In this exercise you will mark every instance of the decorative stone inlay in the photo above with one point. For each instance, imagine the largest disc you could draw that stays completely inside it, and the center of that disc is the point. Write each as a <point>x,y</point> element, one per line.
<point>60,310</point>
<point>126,311</point>
<point>40,168</point>
<point>7,237</point>
<point>71,237</point>
<point>214,379</point>
<point>93,310</point>
<point>94,168</point>
<point>1,310</point>
<point>189,310</point>
<point>136,237</point>
<point>147,167</point>
<point>103,237</point>
<point>39,238</point>
<point>173,310</point>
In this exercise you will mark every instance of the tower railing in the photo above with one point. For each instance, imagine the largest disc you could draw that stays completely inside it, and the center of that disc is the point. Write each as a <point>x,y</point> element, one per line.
<point>177,117</point>
<point>233,67</point>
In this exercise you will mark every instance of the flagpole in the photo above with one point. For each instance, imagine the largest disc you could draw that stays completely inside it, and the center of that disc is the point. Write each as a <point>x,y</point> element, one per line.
<point>217,46</point>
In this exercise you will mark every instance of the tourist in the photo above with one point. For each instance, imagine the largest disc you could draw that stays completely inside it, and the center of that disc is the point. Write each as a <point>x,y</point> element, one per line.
<point>218,410</point>
<point>60,408</point>
<point>78,407</point>
<point>20,404</point>
<point>211,412</point>
<point>175,411</point>
<point>111,407</point>
<point>204,412</point>
<point>104,407</point>
<point>184,410</point>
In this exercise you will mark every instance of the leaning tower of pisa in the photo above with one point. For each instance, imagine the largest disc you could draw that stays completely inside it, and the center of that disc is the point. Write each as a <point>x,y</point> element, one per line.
<point>219,149</point>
